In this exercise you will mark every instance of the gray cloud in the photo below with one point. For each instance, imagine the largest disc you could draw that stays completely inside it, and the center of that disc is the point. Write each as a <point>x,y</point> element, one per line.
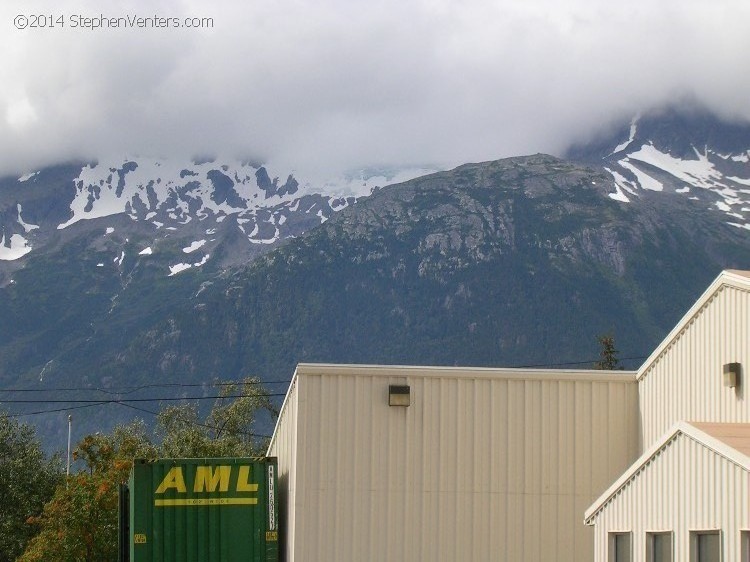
<point>330,85</point>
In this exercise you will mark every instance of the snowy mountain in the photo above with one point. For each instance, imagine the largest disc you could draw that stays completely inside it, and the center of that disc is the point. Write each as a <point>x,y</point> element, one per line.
<point>201,204</point>
<point>141,271</point>
<point>685,151</point>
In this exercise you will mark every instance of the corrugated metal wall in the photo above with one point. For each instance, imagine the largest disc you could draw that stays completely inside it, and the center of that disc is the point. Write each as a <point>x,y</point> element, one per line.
<point>687,487</point>
<point>685,382</point>
<point>284,447</point>
<point>484,464</point>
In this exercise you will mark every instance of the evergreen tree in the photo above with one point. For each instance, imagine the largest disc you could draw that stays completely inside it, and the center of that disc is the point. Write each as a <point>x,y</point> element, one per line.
<point>608,356</point>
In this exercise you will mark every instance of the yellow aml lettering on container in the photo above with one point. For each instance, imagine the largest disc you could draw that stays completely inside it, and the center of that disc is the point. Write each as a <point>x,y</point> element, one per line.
<point>207,480</point>
<point>173,479</point>
<point>242,481</point>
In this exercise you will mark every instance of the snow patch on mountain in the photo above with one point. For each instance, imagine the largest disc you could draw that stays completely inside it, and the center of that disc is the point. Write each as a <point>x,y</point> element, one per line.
<point>180,267</point>
<point>699,172</point>
<point>150,188</point>
<point>168,195</point>
<point>194,246</point>
<point>363,182</point>
<point>648,167</point>
<point>681,150</point>
<point>642,178</point>
<point>735,179</point>
<point>146,188</point>
<point>621,185</point>
<point>27,227</point>
<point>14,248</point>
<point>624,145</point>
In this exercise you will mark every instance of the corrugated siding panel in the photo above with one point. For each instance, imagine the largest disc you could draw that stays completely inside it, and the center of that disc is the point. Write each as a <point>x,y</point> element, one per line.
<point>685,383</point>
<point>474,469</point>
<point>284,447</point>
<point>687,487</point>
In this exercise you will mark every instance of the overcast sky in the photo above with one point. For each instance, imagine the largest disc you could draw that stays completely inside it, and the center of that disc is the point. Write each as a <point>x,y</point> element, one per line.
<point>321,86</point>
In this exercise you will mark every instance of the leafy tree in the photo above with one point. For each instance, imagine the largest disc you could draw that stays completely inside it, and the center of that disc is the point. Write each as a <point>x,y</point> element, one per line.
<point>100,451</point>
<point>227,430</point>
<point>608,356</point>
<point>80,523</point>
<point>27,480</point>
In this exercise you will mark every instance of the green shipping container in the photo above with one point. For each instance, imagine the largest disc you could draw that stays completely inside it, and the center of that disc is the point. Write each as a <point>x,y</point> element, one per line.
<point>203,510</point>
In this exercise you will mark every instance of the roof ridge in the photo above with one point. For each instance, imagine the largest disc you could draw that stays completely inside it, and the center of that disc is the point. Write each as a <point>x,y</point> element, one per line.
<point>737,279</point>
<point>688,429</point>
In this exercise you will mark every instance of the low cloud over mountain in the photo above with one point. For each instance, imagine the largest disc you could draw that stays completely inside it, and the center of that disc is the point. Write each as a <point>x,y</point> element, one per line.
<point>326,86</point>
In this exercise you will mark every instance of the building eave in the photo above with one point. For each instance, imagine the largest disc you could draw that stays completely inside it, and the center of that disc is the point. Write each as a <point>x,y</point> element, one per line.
<point>681,428</point>
<point>390,371</point>
<point>729,278</point>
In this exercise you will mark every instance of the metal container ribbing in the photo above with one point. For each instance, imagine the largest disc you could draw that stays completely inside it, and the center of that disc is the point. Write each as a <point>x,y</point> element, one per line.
<point>204,510</point>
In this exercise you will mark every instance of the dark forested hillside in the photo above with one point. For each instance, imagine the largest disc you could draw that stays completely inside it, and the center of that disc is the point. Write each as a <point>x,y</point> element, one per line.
<point>521,261</point>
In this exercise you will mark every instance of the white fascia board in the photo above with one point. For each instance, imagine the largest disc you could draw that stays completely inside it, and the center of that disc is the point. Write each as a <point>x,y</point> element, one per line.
<point>736,279</point>
<point>680,428</point>
<point>321,369</point>
<point>280,417</point>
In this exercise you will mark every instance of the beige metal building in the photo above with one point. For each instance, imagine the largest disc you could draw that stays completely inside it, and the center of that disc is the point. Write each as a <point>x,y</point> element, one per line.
<point>482,464</point>
<point>391,464</point>
<point>687,498</point>
<point>682,379</point>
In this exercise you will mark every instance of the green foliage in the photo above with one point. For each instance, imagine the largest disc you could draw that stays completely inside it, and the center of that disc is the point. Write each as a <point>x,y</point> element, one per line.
<point>27,481</point>
<point>100,451</point>
<point>80,523</point>
<point>227,430</point>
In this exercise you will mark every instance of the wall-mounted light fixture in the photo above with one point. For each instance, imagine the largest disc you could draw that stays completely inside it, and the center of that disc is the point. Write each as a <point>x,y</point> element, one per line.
<point>732,375</point>
<point>399,395</point>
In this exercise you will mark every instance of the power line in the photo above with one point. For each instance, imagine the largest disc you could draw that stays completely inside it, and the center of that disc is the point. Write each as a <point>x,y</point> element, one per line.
<point>138,408</point>
<point>160,399</point>
<point>193,422</point>
<point>589,362</point>
<point>84,403</point>
<point>131,389</point>
<point>19,414</point>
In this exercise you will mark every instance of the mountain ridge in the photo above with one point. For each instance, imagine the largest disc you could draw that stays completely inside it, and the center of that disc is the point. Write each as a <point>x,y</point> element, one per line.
<point>686,151</point>
<point>202,200</point>
<point>508,262</point>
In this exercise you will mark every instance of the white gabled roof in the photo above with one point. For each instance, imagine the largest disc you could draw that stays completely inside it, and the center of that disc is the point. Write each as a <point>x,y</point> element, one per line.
<point>729,440</point>
<point>730,277</point>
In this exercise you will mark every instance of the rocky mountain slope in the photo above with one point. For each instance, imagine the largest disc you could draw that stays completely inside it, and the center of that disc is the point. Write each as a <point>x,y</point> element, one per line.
<point>522,261</point>
<point>519,261</point>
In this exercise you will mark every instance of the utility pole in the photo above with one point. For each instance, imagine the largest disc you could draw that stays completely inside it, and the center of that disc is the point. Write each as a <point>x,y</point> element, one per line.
<point>70,424</point>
